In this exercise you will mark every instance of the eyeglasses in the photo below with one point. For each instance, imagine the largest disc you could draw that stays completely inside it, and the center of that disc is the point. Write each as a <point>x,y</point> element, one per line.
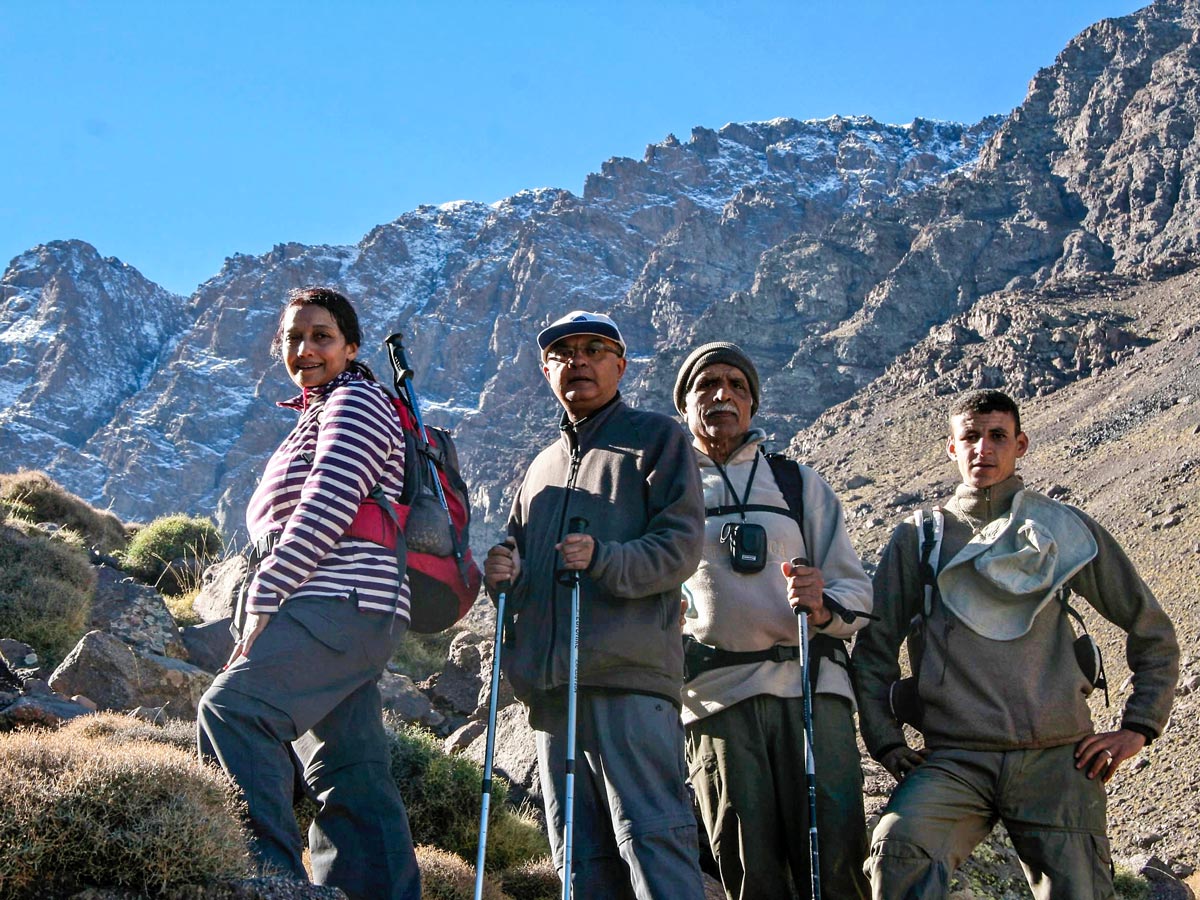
<point>592,351</point>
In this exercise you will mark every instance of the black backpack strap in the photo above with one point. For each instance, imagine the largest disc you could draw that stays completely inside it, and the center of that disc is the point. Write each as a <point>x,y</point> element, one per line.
<point>791,484</point>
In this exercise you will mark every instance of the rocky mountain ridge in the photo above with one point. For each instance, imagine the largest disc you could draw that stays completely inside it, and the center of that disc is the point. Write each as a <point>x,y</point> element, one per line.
<point>469,284</point>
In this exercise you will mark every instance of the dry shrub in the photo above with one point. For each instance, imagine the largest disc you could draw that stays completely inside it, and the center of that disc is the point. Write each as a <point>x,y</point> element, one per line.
<point>33,496</point>
<point>46,590</point>
<point>533,880</point>
<point>193,539</point>
<point>117,729</point>
<point>78,811</point>
<point>445,876</point>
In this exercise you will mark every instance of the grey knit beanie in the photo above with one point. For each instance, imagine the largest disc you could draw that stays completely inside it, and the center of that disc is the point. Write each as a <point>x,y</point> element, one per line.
<point>709,354</point>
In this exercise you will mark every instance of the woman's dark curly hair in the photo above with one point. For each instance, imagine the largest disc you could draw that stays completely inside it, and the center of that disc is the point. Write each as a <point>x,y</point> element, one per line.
<point>338,306</point>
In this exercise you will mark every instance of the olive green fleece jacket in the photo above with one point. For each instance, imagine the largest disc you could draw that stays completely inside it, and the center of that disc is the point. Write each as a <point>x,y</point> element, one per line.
<point>633,476</point>
<point>981,694</point>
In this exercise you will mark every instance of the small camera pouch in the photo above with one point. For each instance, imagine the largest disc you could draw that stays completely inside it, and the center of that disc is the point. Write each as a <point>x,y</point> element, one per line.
<point>747,545</point>
<point>905,701</point>
<point>1087,653</point>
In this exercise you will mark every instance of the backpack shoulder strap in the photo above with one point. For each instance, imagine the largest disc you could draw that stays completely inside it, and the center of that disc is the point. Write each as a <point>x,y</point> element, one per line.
<point>930,527</point>
<point>791,484</point>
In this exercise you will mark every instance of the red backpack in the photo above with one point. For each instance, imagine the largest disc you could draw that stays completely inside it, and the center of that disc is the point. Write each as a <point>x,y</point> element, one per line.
<point>429,526</point>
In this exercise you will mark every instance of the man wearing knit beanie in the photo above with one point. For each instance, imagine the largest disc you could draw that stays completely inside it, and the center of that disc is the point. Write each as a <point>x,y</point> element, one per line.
<point>709,354</point>
<point>743,708</point>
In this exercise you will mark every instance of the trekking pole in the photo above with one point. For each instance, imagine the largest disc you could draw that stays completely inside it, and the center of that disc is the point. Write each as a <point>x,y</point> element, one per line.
<point>404,373</point>
<point>810,773</point>
<point>485,806</point>
<point>403,382</point>
<point>577,526</point>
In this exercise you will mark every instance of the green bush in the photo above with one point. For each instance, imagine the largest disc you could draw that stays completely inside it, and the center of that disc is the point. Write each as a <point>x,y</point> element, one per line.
<point>155,546</point>
<point>78,811</point>
<point>445,876</point>
<point>420,655</point>
<point>442,795</point>
<point>1130,886</point>
<point>46,590</point>
<point>34,497</point>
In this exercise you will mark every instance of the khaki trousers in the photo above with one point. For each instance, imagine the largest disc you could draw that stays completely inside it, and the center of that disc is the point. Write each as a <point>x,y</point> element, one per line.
<point>1054,814</point>
<point>747,766</point>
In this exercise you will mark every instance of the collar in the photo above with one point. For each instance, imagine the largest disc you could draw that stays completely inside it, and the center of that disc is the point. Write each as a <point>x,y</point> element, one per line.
<point>978,506</point>
<point>588,424</point>
<point>309,395</point>
<point>751,441</point>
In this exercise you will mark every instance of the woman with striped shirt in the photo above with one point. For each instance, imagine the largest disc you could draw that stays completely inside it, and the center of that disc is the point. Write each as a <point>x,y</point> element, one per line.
<point>324,613</point>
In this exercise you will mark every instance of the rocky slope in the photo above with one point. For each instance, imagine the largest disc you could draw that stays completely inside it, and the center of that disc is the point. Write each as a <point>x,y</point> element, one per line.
<point>1122,441</point>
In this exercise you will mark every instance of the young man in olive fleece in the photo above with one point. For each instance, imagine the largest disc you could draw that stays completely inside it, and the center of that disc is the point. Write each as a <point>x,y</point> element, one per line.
<point>998,694</point>
<point>631,475</point>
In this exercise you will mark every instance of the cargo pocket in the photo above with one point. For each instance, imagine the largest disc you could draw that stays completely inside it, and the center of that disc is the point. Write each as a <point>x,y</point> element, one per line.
<point>317,619</point>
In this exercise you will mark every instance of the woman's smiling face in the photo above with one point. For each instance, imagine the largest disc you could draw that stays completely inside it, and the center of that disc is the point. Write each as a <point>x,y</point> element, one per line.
<point>314,349</point>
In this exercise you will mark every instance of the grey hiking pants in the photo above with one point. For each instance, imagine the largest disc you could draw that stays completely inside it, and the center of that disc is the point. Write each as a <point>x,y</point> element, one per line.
<point>1054,814</point>
<point>307,699</point>
<point>747,766</point>
<point>634,829</point>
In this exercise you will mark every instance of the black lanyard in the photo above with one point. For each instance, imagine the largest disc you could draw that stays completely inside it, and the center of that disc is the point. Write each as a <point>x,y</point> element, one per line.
<point>741,504</point>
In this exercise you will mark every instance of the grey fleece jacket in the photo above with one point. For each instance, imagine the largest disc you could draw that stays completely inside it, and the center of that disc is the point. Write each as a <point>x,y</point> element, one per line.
<point>632,475</point>
<point>982,694</point>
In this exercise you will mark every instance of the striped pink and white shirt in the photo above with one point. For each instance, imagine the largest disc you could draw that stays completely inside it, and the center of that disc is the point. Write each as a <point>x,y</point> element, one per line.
<point>347,440</point>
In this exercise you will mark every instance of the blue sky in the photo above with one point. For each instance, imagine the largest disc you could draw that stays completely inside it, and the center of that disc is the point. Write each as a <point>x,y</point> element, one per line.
<point>172,134</point>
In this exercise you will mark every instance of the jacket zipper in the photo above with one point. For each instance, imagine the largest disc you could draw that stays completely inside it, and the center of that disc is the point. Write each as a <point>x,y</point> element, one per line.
<point>572,474</point>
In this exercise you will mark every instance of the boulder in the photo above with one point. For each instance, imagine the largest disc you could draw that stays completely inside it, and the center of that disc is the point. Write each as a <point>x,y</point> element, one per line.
<point>515,755</point>
<point>209,644</point>
<point>18,654</point>
<point>117,676</point>
<point>458,686</point>
<point>135,613</point>
<point>44,710</point>
<point>219,587</point>
<point>401,697</point>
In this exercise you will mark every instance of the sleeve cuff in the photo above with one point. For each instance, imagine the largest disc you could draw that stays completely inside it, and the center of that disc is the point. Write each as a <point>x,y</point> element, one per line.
<point>1145,731</point>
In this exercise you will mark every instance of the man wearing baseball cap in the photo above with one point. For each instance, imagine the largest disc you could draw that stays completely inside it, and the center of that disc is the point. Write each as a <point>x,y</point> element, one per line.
<point>631,476</point>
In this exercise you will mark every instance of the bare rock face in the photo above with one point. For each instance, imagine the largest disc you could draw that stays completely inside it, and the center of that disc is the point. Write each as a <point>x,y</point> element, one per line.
<point>63,308</point>
<point>402,698</point>
<point>117,676</point>
<point>209,644</point>
<point>658,241</point>
<point>515,755</point>
<point>38,710</point>
<point>219,587</point>
<point>135,613</point>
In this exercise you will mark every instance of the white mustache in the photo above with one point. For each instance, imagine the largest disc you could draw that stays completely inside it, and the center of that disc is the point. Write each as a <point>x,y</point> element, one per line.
<point>723,407</point>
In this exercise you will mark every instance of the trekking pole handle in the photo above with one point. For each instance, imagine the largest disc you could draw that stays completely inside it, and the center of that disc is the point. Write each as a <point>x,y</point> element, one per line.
<point>577,525</point>
<point>395,348</point>
<point>835,608</point>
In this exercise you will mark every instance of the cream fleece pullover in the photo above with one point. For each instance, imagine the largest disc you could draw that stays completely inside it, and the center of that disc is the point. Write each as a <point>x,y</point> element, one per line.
<point>751,612</point>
